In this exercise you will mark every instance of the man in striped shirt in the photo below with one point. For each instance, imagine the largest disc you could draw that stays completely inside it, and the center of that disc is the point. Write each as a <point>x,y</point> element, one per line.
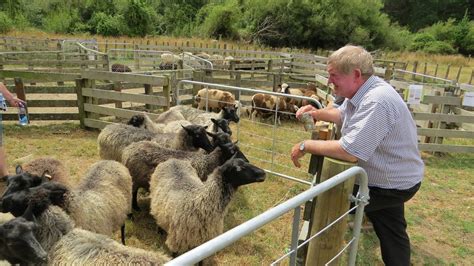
<point>378,132</point>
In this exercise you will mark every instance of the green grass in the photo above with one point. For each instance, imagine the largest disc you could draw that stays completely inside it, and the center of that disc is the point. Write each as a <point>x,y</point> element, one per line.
<point>440,217</point>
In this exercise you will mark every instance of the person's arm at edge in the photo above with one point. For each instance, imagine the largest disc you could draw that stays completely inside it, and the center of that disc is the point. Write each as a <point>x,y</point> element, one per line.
<point>9,96</point>
<point>328,114</point>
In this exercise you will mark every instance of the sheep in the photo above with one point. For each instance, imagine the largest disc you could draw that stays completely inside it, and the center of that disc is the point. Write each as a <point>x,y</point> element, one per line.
<point>120,68</point>
<point>192,220</point>
<point>51,166</point>
<point>60,243</point>
<point>213,99</point>
<point>309,91</point>
<point>169,116</point>
<point>142,158</point>
<point>100,203</point>
<point>145,122</point>
<point>265,105</point>
<point>218,125</point>
<point>200,117</point>
<point>115,137</point>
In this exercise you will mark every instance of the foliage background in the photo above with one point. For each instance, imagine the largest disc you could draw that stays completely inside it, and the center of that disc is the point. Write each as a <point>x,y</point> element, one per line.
<point>431,26</point>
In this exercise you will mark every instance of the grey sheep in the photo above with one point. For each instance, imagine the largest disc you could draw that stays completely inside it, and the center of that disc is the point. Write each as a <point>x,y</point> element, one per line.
<point>142,158</point>
<point>189,210</point>
<point>200,117</point>
<point>100,203</point>
<point>115,137</point>
<point>63,244</point>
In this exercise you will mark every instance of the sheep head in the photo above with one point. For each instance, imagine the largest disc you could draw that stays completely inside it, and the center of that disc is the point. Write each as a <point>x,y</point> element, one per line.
<point>136,120</point>
<point>222,124</point>
<point>198,134</point>
<point>49,192</point>
<point>18,243</point>
<point>238,172</point>
<point>230,113</point>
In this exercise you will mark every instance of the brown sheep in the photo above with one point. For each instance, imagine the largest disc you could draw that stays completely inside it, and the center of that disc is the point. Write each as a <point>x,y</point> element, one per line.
<point>217,99</point>
<point>264,105</point>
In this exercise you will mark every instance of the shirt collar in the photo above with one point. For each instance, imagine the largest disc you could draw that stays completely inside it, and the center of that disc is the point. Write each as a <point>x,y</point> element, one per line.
<point>357,98</point>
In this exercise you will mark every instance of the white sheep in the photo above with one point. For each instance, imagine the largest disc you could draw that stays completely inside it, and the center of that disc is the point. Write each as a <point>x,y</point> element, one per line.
<point>203,118</point>
<point>192,211</point>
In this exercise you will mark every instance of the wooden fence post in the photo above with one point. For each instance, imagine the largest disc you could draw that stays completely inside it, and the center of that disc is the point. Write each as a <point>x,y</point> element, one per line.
<point>415,66</point>
<point>118,88</point>
<point>80,83</point>
<point>166,93</point>
<point>329,206</point>
<point>447,71</point>
<point>20,89</point>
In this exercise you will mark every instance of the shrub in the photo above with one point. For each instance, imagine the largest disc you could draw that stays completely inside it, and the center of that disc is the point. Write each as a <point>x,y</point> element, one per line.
<point>421,40</point>
<point>439,47</point>
<point>107,25</point>
<point>220,23</point>
<point>59,22</point>
<point>5,23</point>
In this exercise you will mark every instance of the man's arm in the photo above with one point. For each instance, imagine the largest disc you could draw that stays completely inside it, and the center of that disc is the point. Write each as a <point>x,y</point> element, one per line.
<point>329,148</point>
<point>328,114</point>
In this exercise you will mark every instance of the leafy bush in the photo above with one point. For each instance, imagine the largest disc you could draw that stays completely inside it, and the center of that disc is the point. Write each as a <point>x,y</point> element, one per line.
<point>139,17</point>
<point>5,23</point>
<point>59,22</point>
<point>219,23</point>
<point>421,40</point>
<point>107,25</point>
<point>439,47</point>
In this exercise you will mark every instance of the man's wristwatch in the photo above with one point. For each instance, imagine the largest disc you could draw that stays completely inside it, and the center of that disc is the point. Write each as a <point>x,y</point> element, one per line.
<point>302,146</point>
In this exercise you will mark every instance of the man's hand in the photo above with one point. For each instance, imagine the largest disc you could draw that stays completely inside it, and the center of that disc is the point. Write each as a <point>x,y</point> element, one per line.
<point>304,109</point>
<point>296,154</point>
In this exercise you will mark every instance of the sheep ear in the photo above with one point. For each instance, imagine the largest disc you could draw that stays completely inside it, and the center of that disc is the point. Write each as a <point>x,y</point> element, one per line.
<point>18,169</point>
<point>236,142</point>
<point>214,120</point>
<point>205,127</point>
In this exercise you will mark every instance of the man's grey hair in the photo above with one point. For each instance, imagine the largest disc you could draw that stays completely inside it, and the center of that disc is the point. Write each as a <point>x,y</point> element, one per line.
<point>351,57</point>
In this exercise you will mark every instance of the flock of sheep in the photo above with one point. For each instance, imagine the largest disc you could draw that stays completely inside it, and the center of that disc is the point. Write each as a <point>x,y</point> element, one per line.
<point>185,159</point>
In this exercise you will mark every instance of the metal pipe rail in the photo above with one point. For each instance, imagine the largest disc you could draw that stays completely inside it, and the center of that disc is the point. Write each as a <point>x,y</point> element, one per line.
<point>216,244</point>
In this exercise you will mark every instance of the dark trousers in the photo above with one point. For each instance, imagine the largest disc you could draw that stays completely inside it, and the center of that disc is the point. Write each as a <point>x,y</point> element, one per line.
<point>386,211</point>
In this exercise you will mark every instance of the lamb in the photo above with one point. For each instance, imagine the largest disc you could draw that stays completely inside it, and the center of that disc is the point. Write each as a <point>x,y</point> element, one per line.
<point>100,203</point>
<point>265,105</point>
<point>115,137</point>
<point>214,99</point>
<point>190,211</point>
<point>53,237</point>
<point>142,158</point>
<point>120,68</point>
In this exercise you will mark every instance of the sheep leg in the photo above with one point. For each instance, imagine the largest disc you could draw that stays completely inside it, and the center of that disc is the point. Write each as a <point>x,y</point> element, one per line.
<point>122,232</point>
<point>135,200</point>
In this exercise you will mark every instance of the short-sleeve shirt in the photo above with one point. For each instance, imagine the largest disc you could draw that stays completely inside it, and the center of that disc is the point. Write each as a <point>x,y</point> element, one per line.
<point>378,129</point>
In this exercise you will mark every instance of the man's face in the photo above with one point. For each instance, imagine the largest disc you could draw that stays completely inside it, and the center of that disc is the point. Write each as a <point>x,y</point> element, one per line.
<point>344,84</point>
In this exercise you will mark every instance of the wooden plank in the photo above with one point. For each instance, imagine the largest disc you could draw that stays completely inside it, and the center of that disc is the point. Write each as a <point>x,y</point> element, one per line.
<point>53,62</point>
<point>43,116</point>
<point>95,123</point>
<point>39,76</point>
<point>449,100</point>
<point>125,97</point>
<point>443,117</point>
<point>50,89</point>
<point>52,103</point>
<point>125,77</point>
<point>112,111</point>
<point>433,147</point>
<point>448,133</point>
